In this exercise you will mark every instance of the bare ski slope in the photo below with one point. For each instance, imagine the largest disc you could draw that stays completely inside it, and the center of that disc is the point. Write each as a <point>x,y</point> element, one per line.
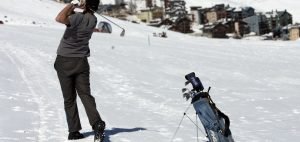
<point>137,80</point>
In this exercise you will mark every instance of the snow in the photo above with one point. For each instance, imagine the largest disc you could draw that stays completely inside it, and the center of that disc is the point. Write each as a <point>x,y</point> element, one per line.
<point>137,81</point>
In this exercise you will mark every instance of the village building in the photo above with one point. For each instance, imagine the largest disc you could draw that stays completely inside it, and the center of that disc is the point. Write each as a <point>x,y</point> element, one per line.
<point>147,15</point>
<point>117,11</point>
<point>247,12</point>
<point>290,33</point>
<point>196,14</point>
<point>230,12</point>
<point>216,13</point>
<point>166,22</point>
<point>257,24</point>
<point>176,12</point>
<point>182,25</point>
<point>243,12</point>
<point>239,28</point>
<point>294,33</point>
<point>202,16</point>
<point>237,14</point>
<point>279,19</point>
<point>218,30</point>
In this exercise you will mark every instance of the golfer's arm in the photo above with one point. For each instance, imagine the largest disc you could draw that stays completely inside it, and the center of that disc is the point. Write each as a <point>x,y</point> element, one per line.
<point>63,15</point>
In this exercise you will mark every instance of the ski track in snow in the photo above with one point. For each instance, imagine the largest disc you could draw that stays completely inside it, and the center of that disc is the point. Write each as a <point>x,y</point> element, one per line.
<point>50,123</point>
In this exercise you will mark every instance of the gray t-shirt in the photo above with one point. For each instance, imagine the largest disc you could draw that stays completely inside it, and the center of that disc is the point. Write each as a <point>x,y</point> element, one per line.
<point>75,41</point>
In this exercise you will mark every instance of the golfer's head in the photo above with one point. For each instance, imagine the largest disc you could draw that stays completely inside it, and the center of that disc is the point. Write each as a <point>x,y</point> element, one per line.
<point>92,4</point>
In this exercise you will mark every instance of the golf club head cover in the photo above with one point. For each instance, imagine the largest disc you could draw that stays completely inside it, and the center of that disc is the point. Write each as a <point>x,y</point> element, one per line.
<point>195,81</point>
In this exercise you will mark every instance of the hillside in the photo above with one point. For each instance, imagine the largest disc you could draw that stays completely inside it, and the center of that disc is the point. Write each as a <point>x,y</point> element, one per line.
<point>259,5</point>
<point>137,81</point>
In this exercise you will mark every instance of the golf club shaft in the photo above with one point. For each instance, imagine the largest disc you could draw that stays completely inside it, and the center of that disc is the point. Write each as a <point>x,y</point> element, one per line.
<point>111,21</point>
<point>107,18</point>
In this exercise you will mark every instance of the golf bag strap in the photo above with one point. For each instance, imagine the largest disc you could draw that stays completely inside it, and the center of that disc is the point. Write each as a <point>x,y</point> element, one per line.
<point>227,123</point>
<point>200,95</point>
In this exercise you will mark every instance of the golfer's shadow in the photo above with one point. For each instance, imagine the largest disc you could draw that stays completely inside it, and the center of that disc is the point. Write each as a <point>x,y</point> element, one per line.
<point>114,131</point>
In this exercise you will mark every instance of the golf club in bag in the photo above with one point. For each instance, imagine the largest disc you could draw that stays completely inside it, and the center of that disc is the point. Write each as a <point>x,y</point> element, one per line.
<point>215,122</point>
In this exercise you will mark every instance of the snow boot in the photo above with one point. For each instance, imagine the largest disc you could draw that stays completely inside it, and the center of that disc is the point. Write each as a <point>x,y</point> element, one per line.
<point>99,131</point>
<point>75,136</point>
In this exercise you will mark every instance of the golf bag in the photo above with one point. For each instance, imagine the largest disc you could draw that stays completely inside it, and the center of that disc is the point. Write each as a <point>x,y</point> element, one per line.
<point>215,123</point>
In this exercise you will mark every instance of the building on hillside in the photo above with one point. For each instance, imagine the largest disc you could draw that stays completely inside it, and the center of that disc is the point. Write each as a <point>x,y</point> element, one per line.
<point>230,12</point>
<point>196,15</point>
<point>279,19</point>
<point>218,30</point>
<point>216,13</point>
<point>167,22</point>
<point>176,12</point>
<point>237,14</point>
<point>157,12</point>
<point>202,16</point>
<point>117,11</point>
<point>182,25</point>
<point>147,15</point>
<point>243,12</point>
<point>257,24</point>
<point>247,12</point>
<point>290,33</point>
<point>294,33</point>
<point>239,28</point>
<point>211,15</point>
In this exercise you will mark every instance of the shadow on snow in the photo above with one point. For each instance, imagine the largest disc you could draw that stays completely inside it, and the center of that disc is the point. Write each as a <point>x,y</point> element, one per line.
<point>114,131</point>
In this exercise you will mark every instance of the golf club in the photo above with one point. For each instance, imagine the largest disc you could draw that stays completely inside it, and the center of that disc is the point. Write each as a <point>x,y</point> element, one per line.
<point>103,9</point>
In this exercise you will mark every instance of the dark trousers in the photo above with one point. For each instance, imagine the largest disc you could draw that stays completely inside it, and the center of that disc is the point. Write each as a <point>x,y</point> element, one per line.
<point>73,74</point>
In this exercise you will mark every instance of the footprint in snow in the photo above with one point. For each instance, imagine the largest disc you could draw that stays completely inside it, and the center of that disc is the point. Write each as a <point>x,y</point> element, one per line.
<point>259,108</point>
<point>16,108</point>
<point>295,111</point>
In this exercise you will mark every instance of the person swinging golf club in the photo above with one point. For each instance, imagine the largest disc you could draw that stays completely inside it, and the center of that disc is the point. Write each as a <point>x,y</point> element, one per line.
<point>73,69</point>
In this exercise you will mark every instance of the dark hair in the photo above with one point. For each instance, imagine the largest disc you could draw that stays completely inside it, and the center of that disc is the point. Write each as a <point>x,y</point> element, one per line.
<point>92,4</point>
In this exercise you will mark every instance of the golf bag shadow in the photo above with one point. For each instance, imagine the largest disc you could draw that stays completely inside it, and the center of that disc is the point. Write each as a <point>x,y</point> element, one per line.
<point>215,123</point>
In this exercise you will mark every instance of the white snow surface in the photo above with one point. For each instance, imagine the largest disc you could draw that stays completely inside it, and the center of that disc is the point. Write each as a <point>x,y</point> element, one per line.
<point>137,80</point>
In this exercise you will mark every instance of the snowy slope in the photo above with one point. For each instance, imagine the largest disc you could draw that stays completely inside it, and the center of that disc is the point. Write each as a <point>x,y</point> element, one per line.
<point>26,12</point>
<point>137,84</point>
